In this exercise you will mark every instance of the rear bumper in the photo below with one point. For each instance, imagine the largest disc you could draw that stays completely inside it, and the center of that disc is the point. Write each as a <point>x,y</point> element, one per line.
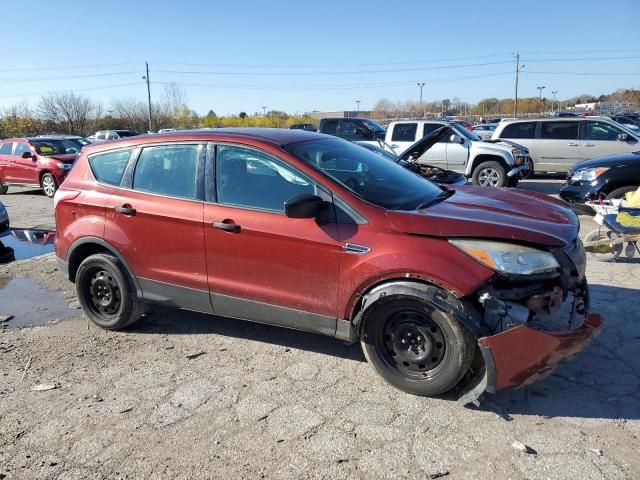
<point>523,355</point>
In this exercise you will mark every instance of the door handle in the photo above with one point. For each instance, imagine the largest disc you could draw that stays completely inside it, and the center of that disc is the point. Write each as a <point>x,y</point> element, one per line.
<point>227,226</point>
<point>589,145</point>
<point>572,144</point>
<point>126,210</point>
<point>394,145</point>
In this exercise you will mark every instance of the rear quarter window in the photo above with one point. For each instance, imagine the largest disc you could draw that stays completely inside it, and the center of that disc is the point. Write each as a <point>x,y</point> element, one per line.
<point>5,148</point>
<point>109,167</point>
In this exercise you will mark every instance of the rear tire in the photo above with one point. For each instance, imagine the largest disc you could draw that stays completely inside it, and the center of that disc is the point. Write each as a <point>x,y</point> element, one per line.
<point>49,185</point>
<point>489,174</point>
<point>106,292</point>
<point>415,346</point>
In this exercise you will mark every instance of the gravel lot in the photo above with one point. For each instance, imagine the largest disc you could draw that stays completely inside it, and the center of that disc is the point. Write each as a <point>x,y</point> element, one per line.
<point>183,395</point>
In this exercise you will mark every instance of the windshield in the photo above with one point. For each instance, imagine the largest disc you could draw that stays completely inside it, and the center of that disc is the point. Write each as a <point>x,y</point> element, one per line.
<point>373,125</point>
<point>366,174</point>
<point>465,133</point>
<point>55,147</point>
<point>376,149</point>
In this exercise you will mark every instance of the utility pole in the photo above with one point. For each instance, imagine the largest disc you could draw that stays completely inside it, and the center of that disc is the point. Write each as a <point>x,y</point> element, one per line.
<point>518,68</point>
<point>357,106</point>
<point>554,100</point>
<point>421,85</point>
<point>540,88</point>
<point>146,77</point>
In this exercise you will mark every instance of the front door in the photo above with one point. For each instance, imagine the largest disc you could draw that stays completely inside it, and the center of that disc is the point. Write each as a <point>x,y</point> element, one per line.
<point>262,265</point>
<point>155,222</point>
<point>601,138</point>
<point>25,169</point>
<point>437,154</point>
<point>557,147</point>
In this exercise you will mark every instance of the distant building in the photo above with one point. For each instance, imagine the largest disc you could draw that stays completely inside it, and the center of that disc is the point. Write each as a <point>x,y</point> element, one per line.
<point>340,114</point>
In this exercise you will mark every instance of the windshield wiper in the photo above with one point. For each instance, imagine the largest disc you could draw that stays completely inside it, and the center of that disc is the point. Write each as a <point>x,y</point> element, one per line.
<point>440,197</point>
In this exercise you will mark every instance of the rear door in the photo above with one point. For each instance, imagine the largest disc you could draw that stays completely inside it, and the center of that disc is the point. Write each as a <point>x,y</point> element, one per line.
<point>403,135</point>
<point>558,146</point>
<point>155,222</point>
<point>601,138</point>
<point>263,265</point>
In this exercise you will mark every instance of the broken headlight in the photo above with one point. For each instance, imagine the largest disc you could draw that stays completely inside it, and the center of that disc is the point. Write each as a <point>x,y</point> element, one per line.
<point>508,257</point>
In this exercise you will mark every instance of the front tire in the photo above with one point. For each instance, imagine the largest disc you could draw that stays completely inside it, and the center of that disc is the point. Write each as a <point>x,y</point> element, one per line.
<point>49,185</point>
<point>3,188</point>
<point>489,174</point>
<point>106,292</point>
<point>416,346</point>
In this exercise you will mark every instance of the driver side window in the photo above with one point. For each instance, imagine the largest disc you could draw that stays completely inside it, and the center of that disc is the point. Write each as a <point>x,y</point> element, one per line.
<point>253,179</point>
<point>21,148</point>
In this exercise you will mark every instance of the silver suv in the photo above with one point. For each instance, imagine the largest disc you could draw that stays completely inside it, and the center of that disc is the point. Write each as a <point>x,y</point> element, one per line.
<point>555,144</point>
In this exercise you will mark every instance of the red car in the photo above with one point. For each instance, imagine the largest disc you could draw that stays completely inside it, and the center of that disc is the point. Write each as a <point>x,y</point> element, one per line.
<point>443,286</point>
<point>39,162</point>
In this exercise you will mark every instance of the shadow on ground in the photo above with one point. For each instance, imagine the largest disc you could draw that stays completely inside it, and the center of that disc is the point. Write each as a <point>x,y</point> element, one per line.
<point>601,382</point>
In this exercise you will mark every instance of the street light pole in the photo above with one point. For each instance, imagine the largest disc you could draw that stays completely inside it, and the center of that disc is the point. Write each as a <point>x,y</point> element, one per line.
<point>540,88</point>
<point>554,100</point>
<point>264,111</point>
<point>146,77</point>
<point>421,85</point>
<point>357,106</point>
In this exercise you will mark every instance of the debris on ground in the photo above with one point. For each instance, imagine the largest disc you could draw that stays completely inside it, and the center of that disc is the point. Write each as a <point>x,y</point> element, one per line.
<point>5,318</point>
<point>43,387</point>
<point>521,447</point>
<point>597,451</point>
<point>191,356</point>
<point>439,474</point>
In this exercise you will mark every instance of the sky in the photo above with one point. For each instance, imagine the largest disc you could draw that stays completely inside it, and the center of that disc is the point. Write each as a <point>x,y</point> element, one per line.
<point>299,56</point>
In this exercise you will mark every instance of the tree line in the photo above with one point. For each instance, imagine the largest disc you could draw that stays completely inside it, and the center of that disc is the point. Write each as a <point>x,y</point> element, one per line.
<point>76,114</point>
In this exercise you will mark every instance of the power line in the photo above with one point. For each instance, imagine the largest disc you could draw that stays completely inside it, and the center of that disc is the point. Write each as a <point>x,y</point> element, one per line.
<point>33,94</point>
<point>416,62</point>
<point>69,67</point>
<point>67,77</point>
<point>395,70</point>
<point>579,73</point>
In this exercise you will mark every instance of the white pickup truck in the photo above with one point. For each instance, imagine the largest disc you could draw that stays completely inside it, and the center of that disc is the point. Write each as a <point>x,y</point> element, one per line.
<point>492,163</point>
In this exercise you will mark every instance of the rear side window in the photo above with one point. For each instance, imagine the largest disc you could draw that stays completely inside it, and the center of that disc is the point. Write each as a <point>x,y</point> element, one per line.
<point>559,131</point>
<point>330,127</point>
<point>109,167</point>
<point>168,170</point>
<point>5,148</point>
<point>404,132</point>
<point>519,130</point>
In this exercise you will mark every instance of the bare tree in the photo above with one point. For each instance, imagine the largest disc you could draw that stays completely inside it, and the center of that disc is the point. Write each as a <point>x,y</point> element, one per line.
<point>67,111</point>
<point>173,98</point>
<point>130,113</point>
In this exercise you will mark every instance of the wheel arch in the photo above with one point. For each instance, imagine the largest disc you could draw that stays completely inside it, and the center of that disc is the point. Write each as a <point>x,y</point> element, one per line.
<point>488,157</point>
<point>461,309</point>
<point>86,246</point>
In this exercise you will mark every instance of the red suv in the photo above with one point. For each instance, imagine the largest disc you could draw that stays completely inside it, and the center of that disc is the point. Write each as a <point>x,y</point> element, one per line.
<point>482,288</point>
<point>39,162</point>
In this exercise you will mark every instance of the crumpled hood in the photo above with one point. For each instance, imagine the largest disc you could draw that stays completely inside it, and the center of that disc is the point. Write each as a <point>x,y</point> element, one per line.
<point>65,157</point>
<point>497,213</point>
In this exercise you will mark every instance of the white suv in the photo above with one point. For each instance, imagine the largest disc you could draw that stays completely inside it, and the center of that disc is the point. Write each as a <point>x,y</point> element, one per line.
<point>555,144</point>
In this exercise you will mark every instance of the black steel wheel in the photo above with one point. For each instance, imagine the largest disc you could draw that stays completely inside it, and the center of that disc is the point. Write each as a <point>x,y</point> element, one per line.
<point>106,292</point>
<point>416,346</point>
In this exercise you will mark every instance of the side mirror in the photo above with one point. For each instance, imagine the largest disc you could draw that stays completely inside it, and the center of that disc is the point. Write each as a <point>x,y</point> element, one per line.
<point>456,139</point>
<point>304,206</point>
<point>623,137</point>
<point>27,155</point>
